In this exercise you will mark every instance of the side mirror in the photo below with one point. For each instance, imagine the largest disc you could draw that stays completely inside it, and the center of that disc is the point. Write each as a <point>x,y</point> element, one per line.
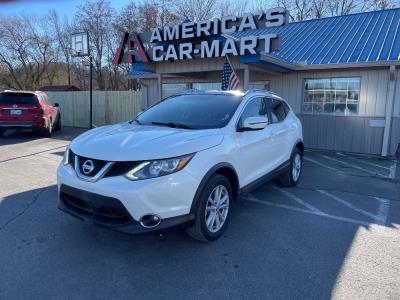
<point>56,105</point>
<point>254,123</point>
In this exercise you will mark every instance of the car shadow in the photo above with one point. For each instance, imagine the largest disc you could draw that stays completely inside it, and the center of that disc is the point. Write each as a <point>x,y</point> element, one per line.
<point>265,253</point>
<point>12,136</point>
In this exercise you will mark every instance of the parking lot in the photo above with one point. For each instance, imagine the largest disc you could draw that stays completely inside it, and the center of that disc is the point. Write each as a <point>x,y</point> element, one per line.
<point>335,235</point>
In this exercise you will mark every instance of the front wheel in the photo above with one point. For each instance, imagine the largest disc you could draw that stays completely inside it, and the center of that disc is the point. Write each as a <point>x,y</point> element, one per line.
<point>292,175</point>
<point>213,210</point>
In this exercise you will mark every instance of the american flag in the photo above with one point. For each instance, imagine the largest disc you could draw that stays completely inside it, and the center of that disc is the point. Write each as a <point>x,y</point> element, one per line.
<point>230,80</point>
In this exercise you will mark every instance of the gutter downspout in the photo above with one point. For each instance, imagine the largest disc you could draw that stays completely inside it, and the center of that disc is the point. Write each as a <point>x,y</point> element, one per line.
<point>389,111</point>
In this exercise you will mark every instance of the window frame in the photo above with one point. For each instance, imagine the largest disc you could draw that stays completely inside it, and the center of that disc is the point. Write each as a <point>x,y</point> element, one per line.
<point>334,113</point>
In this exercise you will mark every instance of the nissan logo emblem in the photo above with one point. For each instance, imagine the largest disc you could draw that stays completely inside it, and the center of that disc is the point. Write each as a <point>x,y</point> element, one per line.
<point>88,167</point>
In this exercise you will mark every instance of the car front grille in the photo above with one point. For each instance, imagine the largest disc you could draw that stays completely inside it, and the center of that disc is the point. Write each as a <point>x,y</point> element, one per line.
<point>118,168</point>
<point>98,165</point>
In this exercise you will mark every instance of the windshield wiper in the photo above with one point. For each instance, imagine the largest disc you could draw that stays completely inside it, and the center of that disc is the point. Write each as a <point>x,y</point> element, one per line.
<point>135,120</point>
<point>172,124</point>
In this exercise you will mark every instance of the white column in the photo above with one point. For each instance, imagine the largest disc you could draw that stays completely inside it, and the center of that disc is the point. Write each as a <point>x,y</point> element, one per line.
<point>246,78</point>
<point>389,110</point>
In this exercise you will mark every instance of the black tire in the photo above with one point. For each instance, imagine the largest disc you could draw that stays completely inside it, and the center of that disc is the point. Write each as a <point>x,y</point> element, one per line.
<point>48,131</point>
<point>199,230</point>
<point>58,124</point>
<point>2,132</point>
<point>288,178</point>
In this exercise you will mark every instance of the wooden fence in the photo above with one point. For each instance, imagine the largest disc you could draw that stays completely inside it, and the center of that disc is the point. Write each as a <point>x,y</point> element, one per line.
<point>109,107</point>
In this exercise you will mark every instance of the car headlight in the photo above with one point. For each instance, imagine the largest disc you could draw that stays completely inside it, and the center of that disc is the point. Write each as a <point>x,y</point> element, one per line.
<point>66,156</point>
<point>157,168</point>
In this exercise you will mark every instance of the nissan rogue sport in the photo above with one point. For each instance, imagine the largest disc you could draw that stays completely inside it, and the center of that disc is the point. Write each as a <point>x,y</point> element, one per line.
<point>184,161</point>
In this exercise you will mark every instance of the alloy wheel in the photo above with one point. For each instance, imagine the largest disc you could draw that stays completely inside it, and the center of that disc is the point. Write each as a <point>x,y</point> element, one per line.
<point>217,208</point>
<point>296,168</point>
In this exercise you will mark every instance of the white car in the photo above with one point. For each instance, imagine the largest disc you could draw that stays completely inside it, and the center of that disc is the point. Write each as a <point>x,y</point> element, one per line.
<point>182,162</point>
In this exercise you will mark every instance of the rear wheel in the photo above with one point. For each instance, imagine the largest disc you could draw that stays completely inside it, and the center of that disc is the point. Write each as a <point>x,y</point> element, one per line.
<point>48,131</point>
<point>292,175</point>
<point>213,210</point>
<point>58,124</point>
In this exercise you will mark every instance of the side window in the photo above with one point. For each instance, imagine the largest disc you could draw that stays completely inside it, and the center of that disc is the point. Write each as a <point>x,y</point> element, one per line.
<point>277,109</point>
<point>44,99</point>
<point>48,101</point>
<point>255,108</point>
<point>286,107</point>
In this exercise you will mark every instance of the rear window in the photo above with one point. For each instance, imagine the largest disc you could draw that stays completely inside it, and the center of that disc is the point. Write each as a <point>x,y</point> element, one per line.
<point>15,98</point>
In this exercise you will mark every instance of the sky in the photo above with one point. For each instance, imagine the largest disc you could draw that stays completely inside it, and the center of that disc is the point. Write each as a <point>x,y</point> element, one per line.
<point>40,7</point>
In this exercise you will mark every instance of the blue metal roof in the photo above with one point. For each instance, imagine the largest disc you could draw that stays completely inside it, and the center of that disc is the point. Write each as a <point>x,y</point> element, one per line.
<point>139,73</point>
<point>356,38</point>
<point>139,69</point>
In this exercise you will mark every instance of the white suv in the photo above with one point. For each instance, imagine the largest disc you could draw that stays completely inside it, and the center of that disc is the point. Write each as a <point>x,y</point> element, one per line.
<point>184,161</point>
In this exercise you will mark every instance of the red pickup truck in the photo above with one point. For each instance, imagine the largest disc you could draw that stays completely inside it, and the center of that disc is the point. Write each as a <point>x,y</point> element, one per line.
<point>28,110</point>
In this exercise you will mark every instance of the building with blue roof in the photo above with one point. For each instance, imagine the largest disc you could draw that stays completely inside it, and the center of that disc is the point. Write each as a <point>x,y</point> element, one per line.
<point>340,74</point>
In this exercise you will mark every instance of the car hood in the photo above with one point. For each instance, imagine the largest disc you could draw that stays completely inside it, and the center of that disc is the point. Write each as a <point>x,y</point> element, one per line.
<point>129,142</point>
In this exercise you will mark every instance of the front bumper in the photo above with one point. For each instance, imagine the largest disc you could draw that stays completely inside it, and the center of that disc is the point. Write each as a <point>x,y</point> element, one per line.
<point>110,213</point>
<point>119,203</point>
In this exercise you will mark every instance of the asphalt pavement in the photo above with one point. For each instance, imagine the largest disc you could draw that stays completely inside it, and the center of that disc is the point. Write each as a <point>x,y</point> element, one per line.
<point>336,235</point>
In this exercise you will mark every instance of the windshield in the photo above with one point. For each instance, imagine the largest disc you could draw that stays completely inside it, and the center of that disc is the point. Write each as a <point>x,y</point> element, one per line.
<point>18,98</point>
<point>192,111</point>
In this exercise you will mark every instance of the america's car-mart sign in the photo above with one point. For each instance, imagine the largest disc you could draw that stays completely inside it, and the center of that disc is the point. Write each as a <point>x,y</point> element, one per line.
<point>204,39</point>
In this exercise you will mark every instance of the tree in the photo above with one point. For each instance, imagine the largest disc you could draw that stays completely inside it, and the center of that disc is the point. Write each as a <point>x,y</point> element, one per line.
<point>237,8</point>
<point>342,7</point>
<point>195,10</point>
<point>299,10</point>
<point>61,31</point>
<point>26,50</point>
<point>383,4</point>
<point>318,8</point>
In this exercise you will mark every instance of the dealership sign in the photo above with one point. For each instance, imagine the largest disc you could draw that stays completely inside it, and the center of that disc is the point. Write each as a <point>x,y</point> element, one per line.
<point>204,39</point>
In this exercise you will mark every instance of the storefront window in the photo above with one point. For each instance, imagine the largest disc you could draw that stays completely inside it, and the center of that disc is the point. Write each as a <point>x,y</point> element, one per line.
<point>206,86</point>
<point>336,96</point>
<point>169,89</point>
<point>265,85</point>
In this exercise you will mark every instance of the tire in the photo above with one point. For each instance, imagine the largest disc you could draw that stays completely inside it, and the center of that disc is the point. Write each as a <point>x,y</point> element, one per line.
<point>292,176</point>
<point>48,131</point>
<point>58,125</point>
<point>2,132</point>
<point>206,210</point>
